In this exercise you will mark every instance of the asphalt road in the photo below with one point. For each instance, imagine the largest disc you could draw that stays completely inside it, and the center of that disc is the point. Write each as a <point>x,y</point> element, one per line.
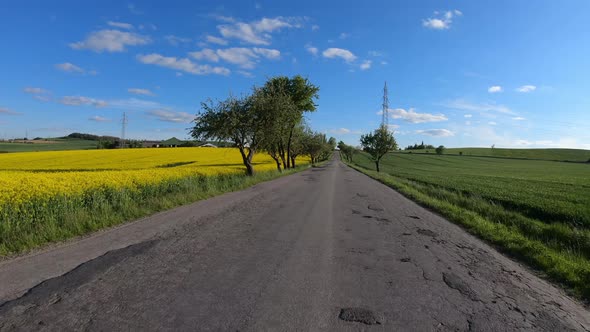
<point>324,249</point>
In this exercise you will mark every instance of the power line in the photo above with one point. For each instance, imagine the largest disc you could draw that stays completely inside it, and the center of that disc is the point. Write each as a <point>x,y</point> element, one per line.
<point>385,114</point>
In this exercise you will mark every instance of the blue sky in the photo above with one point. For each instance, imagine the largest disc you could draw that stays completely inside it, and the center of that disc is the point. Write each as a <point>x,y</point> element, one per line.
<point>460,73</point>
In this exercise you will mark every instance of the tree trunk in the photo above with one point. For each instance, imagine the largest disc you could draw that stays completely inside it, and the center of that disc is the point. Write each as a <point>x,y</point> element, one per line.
<point>377,165</point>
<point>293,161</point>
<point>247,159</point>
<point>278,164</point>
<point>282,154</point>
<point>289,147</point>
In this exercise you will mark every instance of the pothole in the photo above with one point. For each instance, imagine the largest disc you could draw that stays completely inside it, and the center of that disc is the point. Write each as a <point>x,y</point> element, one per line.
<point>360,315</point>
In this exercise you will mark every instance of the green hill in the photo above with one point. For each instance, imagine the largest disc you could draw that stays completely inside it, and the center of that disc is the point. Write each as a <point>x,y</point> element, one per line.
<point>578,155</point>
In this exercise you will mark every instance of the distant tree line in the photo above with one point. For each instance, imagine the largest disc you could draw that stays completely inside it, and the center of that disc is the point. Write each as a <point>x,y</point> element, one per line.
<point>347,151</point>
<point>270,119</point>
<point>419,147</point>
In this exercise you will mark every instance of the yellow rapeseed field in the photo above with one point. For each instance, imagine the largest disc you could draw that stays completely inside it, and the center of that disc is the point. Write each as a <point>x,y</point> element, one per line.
<point>41,175</point>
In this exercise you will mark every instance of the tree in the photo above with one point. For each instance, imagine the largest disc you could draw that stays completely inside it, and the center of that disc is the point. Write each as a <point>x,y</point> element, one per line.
<point>332,143</point>
<point>378,143</point>
<point>440,149</point>
<point>233,119</point>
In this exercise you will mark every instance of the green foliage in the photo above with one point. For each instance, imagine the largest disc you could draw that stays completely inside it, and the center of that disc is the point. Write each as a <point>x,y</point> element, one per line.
<point>347,151</point>
<point>440,149</point>
<point>268,120</point>
<point>536,210</point>
<point>378,143</point>
<point>419,147</point>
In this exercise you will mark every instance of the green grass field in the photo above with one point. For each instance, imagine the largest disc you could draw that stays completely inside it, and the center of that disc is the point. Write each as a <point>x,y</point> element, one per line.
<point>542,154</point>
<point>55,145</point>
<point>538,211</point>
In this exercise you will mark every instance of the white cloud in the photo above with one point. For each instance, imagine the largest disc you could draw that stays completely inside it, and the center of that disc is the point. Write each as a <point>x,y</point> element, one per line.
<point>315,27</point>
<point>144,92</point>
<point>526,88</point>
<point>120,25</point>
<point>366,65</point>
<point>343,131</point>
<point>412,116</point>
<point>464,105</point>
<point>518,118</point>
<point>216,40</point>
<point>468,115</point>
<point>375,53</point>
<point>311,49</point>
<point>257,32</point>
<point>344,54</point>
<point>171,116</point>
<point>69,67</point>
<point>241,56</point>
<point>35,91</point>
<point>245,73</point>
<point>205,54</point>
<point>110,41</point>
<point>495,89</point>
<point>7,111</point>
<point>492,123</point>
<point>175,40</point>
<point>82,101</point>
<point>97,118</point>
<point>344,35</point>
<point>134,104</point>
<point>181,64</point>
<point>441,20</point>
<point>436,132</point>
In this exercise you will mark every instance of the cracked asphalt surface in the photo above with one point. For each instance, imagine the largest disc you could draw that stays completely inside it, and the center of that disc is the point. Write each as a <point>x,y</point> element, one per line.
<point>324,249</point>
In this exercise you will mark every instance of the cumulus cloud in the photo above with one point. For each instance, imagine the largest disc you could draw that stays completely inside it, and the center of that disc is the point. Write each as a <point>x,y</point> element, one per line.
<point>333,52</point>
<point>315,27</point>
<point>311,49</point>
<point>143,92</point>
<point>171,116</point>
<point>518,118</point>
<point>82,101</point>
<point>412,116</point>
<point>110,41</point>
<point>366,65</point>
<point>441,20</point>
<point>436,132</point>
<point>120,25</point>
<point>175,40</point>
<point>181,64</point>
<point>492,123</point>
<point>460,104</point>
<point>97,118</point>
<point>526,88</point>
<point>257,32</point>
<point>216,40</point>
<point>495,89</point>
<point>468,115</point>
<point>241,56</point>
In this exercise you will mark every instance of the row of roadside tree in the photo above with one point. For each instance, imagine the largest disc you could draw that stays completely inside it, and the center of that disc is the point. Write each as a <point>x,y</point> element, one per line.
<point>270,119</point>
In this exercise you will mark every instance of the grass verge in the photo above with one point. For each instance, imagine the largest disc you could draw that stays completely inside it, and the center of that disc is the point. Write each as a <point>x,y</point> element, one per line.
<point>37,223</point>
<point>567,265</point>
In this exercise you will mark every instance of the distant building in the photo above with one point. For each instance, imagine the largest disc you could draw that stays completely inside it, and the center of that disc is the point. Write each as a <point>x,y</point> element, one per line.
<point>151,144</point>
<point>208,145</point>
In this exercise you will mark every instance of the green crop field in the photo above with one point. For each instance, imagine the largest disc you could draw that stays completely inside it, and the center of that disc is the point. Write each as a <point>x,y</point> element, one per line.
<point>52,145</point>
<point>543,154</point>
<point>538,211</point>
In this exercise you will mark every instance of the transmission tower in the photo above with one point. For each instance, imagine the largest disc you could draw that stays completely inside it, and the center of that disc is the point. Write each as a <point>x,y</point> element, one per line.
<point>123,127</point>
<point>385,115</point>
